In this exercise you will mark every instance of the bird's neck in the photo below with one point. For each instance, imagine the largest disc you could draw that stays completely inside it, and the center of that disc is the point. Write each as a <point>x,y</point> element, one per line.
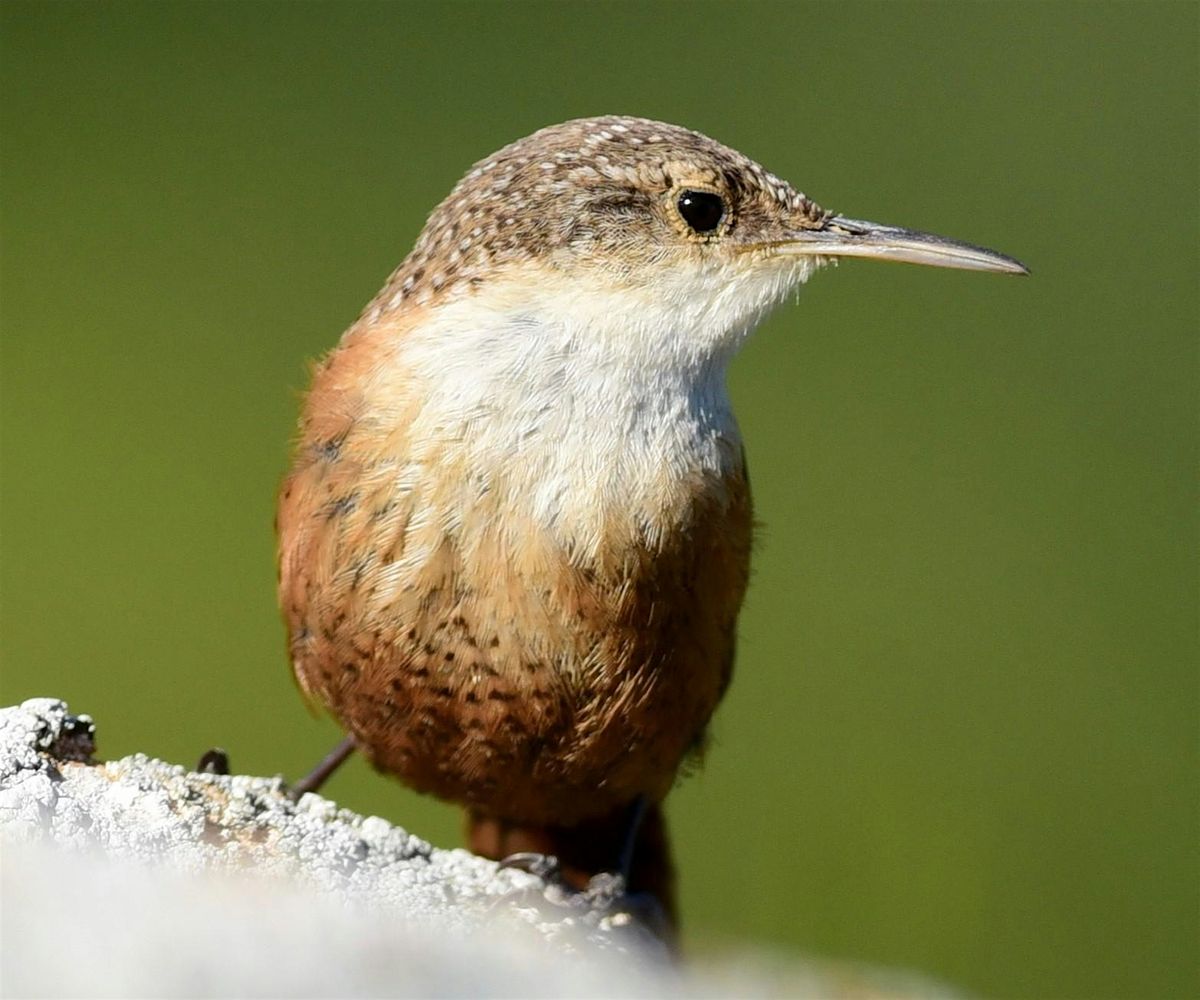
<point>586,407</point>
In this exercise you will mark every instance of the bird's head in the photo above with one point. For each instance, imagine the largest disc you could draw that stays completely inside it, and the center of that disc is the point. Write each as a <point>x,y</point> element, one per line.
<point>659,228</point>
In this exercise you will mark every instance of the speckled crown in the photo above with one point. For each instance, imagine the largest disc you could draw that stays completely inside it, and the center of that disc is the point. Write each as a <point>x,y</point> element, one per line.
<point>528,199</point>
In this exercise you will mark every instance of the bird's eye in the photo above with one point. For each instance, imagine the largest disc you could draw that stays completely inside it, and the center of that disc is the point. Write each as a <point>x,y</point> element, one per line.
<point>701,210</point>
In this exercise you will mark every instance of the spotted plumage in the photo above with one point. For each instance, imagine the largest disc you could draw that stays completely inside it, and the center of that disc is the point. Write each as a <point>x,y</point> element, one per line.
<point>516,534</point>
<point>523,201</point>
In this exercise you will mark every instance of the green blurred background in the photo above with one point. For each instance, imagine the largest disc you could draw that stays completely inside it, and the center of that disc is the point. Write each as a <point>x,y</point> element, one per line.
<point>963,734</point>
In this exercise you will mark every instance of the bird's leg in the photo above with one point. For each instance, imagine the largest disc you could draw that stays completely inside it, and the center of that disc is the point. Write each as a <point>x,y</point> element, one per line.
<point>653,903</point>
<point>636,815</point>
<point>320,774</point>
<point>607,886</point>
<point>610,884</point>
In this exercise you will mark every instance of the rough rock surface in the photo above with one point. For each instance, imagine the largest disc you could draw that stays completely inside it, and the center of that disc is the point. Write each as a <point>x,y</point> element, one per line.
<point>139,878</point>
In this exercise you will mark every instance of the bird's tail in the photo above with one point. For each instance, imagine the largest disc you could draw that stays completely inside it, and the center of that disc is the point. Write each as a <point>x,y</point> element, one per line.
<point>589,848</point>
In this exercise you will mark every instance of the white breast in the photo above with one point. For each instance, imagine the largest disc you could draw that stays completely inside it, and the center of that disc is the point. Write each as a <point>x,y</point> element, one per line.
<point>584,401</point>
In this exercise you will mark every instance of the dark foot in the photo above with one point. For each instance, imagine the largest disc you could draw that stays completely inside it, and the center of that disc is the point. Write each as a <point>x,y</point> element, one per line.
<point>604,900</point>
<point>320,774</point>
<point>214,761</point>
<point>637,814</point>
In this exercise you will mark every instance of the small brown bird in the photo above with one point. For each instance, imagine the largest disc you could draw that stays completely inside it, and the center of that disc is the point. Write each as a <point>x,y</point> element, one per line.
<point>516,534</point>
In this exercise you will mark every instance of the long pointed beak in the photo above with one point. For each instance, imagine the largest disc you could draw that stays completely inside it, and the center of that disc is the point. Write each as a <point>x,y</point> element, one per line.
<point>842,237</point>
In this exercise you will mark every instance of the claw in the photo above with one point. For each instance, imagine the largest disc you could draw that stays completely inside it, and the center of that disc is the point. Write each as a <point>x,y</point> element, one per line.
<point>544,866</point>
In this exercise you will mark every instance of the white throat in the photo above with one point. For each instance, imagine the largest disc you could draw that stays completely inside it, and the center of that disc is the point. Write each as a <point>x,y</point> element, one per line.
<point>586,402</point>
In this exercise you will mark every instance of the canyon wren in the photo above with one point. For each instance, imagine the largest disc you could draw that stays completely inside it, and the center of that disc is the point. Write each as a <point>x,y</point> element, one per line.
<point>516,533</point>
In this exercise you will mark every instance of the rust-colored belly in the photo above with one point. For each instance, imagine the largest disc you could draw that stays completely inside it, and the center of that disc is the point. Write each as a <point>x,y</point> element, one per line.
<point>512,680</point>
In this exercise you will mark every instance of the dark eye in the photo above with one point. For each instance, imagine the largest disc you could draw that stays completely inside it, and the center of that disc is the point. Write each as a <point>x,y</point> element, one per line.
<point>701,210</point>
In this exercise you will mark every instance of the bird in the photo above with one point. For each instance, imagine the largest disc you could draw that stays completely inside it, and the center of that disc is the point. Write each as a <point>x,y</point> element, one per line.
<point>516,532</point>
